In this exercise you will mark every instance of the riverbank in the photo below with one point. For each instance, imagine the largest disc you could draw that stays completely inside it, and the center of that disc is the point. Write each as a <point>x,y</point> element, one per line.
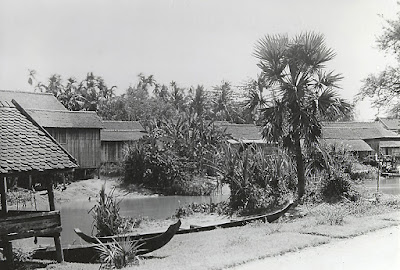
<point>306,226</point>
<point>76,191</point>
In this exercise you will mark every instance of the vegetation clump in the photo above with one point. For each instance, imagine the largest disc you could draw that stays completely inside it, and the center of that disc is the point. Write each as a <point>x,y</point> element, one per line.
<point>258,179</point>
<point>175,155</point>
<point>107,218</point>
<point>119,253</point>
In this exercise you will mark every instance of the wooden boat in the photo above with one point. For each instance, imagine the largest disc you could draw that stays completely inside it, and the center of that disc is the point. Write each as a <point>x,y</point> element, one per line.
<point>152,241</point>
<point>270,217</point>
<point>88,253</point>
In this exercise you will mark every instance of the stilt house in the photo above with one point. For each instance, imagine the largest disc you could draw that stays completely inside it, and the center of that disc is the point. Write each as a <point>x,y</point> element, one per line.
<point>78,132</point>
<point>27,149</point>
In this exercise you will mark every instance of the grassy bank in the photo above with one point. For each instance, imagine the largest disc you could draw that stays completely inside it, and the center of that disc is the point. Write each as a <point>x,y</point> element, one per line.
<point>223,248</point>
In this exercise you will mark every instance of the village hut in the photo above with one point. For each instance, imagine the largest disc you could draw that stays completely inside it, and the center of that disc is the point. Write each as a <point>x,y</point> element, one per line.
<point>77,131</point>
<point>363,138</point>
<point>115,136</point>
<point>27,149</point>
<point>391,124</point>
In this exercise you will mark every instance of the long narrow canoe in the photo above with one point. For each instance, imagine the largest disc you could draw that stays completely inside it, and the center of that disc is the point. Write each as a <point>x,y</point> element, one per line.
<point>148,242</point>
<point>270,217</point>
<point>88,253</point>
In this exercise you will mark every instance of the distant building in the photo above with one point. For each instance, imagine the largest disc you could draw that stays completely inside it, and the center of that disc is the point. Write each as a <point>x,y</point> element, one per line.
<point>115,136</point>
<point>244,135</point>
<point>390,124</point>
<point>78,132</point>
<point>364,138</point>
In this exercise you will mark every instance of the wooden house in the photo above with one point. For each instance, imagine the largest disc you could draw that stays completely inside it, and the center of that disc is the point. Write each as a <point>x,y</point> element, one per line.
<point>390,124</point>
<point>78,132</point>
<point>364,138</point>
<point>115,135</point>
<point>27,149</point>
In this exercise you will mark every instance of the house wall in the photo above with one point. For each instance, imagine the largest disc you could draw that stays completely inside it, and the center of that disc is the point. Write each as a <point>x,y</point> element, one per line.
<point>112,151</point>
<point>83,144</point>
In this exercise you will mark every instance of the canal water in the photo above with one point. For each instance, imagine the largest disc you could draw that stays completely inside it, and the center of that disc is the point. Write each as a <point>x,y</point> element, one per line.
<point>387,185</point>
<point>75,214</point>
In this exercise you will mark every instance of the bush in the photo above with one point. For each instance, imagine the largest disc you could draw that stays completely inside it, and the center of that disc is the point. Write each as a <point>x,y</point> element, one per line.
<point>257,180</point>
<point>118,254</point>
<point>107,219</point>
<point>338,187</point>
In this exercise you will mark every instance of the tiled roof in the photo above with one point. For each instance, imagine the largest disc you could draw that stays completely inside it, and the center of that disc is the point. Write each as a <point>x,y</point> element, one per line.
<point>66,119</point>
<point>241,131</point>
<point>356,130</point>
<point>352,145</point>
<point>391,124</point>
<point>32,100</point>
<point>24,147</point>
<point>122,131</point>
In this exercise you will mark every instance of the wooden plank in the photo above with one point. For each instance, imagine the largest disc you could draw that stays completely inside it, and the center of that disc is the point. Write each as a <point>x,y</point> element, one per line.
<point>48,232</point>
<point>21,224</point>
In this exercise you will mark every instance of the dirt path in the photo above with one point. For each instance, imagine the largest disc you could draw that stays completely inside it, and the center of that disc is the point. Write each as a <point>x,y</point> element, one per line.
<point>376,250</point>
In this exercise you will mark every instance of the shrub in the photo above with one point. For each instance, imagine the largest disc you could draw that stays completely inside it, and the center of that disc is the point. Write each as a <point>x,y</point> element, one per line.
<point>118,254</point>
<point>107,219</point>
<point>337,187</point>
<point>257,179</point>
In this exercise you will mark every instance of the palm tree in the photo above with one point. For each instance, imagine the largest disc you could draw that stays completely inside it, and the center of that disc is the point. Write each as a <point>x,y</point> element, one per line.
<point>300,92</point>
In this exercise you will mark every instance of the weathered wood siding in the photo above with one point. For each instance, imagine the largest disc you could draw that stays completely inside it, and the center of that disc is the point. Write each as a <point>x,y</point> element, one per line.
<point>82,144</point>
<point>112,151</point>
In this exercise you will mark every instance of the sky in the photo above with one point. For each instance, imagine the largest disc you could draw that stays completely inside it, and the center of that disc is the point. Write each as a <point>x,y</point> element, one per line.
<point>191,42</point>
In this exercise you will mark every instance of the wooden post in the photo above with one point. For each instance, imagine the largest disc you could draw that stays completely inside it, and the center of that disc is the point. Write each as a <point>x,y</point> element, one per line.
<point>3,192</point>
<point>57,238</point>
<point>30,182</point>
<point>7,245</point>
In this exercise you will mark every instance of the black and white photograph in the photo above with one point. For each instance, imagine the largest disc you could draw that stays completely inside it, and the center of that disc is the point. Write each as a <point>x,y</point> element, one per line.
<point>199,134</point>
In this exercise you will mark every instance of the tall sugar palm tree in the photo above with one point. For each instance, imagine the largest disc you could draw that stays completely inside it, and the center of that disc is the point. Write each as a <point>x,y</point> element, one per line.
<point>300,92</point>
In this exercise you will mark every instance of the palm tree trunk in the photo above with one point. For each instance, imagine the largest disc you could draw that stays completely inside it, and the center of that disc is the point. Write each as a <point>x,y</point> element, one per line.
<point>301,181</point>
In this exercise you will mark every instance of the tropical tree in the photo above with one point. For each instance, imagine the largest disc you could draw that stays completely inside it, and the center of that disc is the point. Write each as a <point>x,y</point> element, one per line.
<point>222,102</point>
<point>255,100</point>
<point>300,92</point>
<point>383,89</point>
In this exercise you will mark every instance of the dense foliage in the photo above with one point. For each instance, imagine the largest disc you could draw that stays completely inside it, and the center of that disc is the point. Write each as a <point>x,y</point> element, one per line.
<point>258,179</point>
<point>329,173</point>
<point>173,154</point>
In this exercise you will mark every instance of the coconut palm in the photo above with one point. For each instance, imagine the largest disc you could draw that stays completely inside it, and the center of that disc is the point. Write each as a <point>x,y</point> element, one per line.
<point>299,92</point>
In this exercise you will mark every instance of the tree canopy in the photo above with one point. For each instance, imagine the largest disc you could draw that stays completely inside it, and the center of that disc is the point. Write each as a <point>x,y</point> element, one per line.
<point>383,88</point>
<point>299,92</point>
